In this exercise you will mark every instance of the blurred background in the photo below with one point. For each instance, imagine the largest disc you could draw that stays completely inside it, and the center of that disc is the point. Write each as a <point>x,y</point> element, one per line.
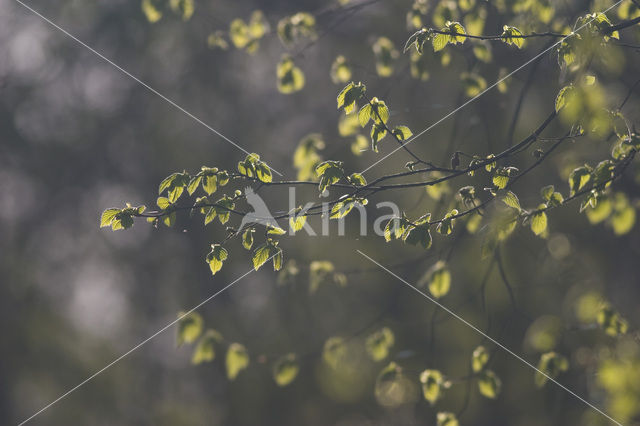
<point>78,136</point>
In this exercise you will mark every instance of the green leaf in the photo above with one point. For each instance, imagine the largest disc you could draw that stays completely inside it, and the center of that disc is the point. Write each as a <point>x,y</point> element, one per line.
<point>500,181</point>
<point>438,279</point>
<point>340,70</point>
<point>439,41</point>
<point>272,230</point>
<point>364,115</point>
<point>602,173</point>
<point>385,54</point>
<point>357,179</point>
<point>611,321</point>
<point>458,33</point>
<point>473,84</point>
<point>489,384</point>
<point>174,185</point>
<point>151,11</point>
<point>348,96</point>
<point>343,207</point>
<point>247,238</point>
<point>108,217</point>
<point>511,200</point>
<point>512,35</point>
<point>189,327</point>
<point>205,349</point>
<point>184,8</point>
<point>260,256</point>
<point>379,111</point>
<point>286,370</point>
<point>417,39</point>
<point>432,382</point>
<point>552,364</point>
<point>393,229</point>
<point>378,132</point>
<point>343,94</point>
<point>216,257</point>
<point>546,192</point>
<point>379,343</point>
<point>265,252</point>
<point>418,235</point>
<point>623,219</point>
<point>170,219</point>
<point>600,212</point>
<point>446,419</point>
<point>445,227</point>
<point>564,96</point>
<point>539,222</point>
<point>193,184</point>
<point>296,222</point>
<point>290,79</point>
<point>579,178</point>
<point>321,271</point>
<point>263,172</point>
<point>237,360</point>
<point>330,172</point>
<point>163,202</point>
<point>210,184</point>
<point>402,133</point>
<point>334,351</point>
<point>479,359</point>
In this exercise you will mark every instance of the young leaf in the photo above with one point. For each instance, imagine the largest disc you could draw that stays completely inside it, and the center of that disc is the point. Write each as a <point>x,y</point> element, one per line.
<point>446,419</point>
<point>348,96</point>
<point>290,78</point>
<point>417,39</point>
<point>193,184</point>
<point>579,178</point>
<point>285,370</point>
<point>364,115</point>
<point>418,235</point>
<point>340,70</point>
<point>260,256</point>
<point>438,279</point>
<point>439,41</point>
<point>489,384</point>
<point>432,382</point>
<point>357,179</point>
<point>611,321</point>
<point>512,35</point>
<point>511,200</point>
<point>296,222</point>
<point>334,351</point>
<point>479,359</point>
<point>205,349</point>
<point>378,132</point>
<point>551,364</point>
<point>539,222</point>
<point>189,327</point>
<point>564,97</point>
<point>247,238</point>
<point>402,133</point>
<point>379,343</point>
<point>237,360</point>
<point>445,227</point>
<point>330,172</point>
<point>108,217</point>
<point>216,257</point>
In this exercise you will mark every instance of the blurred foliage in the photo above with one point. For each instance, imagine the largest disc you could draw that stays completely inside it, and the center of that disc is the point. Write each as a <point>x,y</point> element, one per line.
<point>548,269</point>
